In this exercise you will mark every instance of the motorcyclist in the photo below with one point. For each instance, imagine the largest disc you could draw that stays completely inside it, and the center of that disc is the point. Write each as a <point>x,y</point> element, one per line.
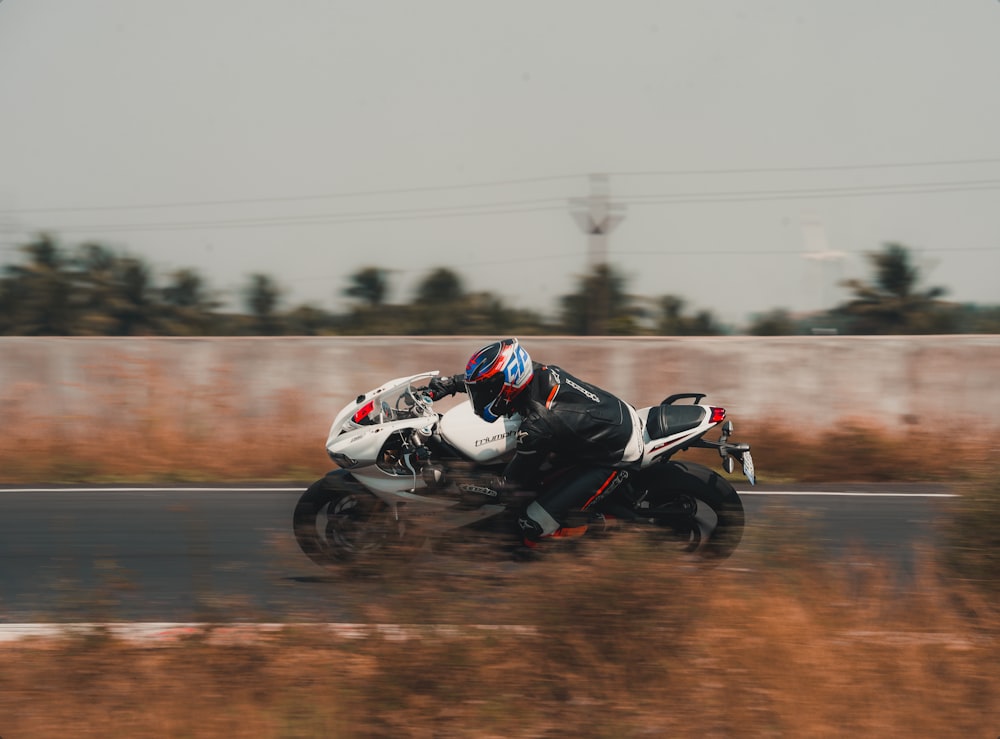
<point>562,417</point>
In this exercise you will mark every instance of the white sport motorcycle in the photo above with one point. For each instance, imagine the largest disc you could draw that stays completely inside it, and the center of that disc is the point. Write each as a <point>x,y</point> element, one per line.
<point>409,474</point>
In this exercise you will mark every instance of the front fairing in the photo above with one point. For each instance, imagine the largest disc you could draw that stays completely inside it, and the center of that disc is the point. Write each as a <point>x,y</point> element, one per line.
<point>387,408</point>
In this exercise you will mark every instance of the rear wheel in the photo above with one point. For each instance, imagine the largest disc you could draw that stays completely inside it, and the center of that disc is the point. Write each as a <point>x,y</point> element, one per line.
<point>695,507</point>
<point>337,521</point>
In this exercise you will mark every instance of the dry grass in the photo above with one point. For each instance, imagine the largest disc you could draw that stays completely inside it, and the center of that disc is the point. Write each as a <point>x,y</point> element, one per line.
<point>132,420</point>
<point>859,450</point>
<point>139,423</point>
<point>622,646</point>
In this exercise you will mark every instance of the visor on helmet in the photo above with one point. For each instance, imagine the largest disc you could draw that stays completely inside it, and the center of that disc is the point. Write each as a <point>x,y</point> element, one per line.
<point>485,397</point>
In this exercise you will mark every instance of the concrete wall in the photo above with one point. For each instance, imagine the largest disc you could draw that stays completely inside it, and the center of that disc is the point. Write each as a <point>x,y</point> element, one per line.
<point>807,382</point>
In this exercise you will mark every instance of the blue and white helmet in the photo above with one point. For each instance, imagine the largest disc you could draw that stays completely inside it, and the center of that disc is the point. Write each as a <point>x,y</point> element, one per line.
<point>495,375</point>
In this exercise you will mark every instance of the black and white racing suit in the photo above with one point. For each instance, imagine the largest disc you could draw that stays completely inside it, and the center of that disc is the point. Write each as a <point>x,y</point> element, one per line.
<point>584,427</point>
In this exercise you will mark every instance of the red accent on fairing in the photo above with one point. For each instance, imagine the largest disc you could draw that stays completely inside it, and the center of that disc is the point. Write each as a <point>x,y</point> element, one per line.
<point>363,411</point>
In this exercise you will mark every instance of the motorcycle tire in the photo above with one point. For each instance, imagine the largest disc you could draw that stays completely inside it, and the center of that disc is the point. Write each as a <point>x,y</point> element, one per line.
<point>696,507</point>
<point>337,521</point>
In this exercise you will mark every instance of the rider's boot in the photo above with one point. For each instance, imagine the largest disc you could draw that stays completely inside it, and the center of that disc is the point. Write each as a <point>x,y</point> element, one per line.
<point>527,532</point>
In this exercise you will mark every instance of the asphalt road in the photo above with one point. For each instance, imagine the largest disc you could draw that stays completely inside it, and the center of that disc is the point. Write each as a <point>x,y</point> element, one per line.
<point>194,554</point>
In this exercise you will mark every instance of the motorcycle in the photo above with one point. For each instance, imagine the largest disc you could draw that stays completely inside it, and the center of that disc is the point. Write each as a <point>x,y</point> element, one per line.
<point>407,473</point>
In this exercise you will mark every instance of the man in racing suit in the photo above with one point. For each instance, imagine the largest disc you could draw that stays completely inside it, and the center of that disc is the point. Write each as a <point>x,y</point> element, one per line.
<point>586,431</point>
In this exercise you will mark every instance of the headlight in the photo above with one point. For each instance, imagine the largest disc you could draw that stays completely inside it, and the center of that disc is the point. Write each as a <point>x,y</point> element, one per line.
<point>342,460</point>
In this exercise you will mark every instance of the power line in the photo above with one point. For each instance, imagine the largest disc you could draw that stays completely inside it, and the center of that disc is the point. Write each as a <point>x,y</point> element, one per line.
<point>314,220</point>
<point>292,198</point>
<point>788,252</point>
<point>808,168</point>
<point>542,204</point>
<point>914,188</point>
<point>502,183</point>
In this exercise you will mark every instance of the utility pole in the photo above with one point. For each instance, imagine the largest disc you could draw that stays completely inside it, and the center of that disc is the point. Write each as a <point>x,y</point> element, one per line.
<point>597,216</point>
<point>816,249</point>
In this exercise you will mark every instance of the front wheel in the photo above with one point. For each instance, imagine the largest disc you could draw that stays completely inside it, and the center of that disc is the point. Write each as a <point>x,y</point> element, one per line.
<point>338,521</point>
<point>694,506</point>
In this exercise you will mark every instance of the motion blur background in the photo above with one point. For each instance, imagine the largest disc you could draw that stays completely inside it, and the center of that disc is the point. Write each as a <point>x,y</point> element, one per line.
<point>221,221</point>
<point>748,155</point>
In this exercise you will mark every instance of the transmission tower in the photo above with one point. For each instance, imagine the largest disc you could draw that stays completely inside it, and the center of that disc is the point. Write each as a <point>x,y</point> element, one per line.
<point>829,271</point>
<point>597,216</point>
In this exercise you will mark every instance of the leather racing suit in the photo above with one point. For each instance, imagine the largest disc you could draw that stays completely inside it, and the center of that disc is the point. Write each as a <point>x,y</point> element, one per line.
<point>579,424</point>
<point>585,430</point>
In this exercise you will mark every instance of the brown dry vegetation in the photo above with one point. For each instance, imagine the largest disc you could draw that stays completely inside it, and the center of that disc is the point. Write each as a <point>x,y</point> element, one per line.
<point>146,425</point>
<point>789,646</point>
<point>126,417</point>
<point>137,423</point>
<point>857,449</point>
<point>620,647</point>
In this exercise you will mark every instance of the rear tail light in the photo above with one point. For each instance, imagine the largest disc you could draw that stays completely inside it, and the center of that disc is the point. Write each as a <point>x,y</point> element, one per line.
<point>718,415</point>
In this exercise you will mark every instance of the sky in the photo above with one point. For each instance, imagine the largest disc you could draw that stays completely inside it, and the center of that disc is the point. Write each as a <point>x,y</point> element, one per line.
<point>312,138</point>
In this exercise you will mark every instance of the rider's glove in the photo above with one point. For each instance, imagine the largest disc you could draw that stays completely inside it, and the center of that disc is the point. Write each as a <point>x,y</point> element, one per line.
<point>442,387</point>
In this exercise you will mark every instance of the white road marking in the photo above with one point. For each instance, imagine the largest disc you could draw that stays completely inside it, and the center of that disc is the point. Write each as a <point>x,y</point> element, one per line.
<point>234,489</point>
<point>834,493</point>
<point>166,631</point>
<point>238,633</point>
<point>231,489</point>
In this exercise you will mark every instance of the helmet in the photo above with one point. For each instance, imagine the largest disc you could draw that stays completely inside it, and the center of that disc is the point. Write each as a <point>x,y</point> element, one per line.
<point>495,376</point>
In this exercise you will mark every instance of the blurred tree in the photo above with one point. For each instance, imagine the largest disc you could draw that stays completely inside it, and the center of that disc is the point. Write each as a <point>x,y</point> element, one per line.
<point>261,297</point>
<point>115,293</point>
<point>672,321</point>
<point>187,290</point>
<point>486,314</point>
<point>703,323</point>
<point>776,322</point>
<point>369,285</point>
<point>440,304</point>
<point>600,305</point>
<point>133,306</point>
<point>891,302</point>
<point>189,307</point>
<point>671,317</point>
<point>978,319</point>
<point>308,320</point>
<point>443,286</point>
<point>36,298</point>
<point>94,289</point>
<point>97,291</point>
